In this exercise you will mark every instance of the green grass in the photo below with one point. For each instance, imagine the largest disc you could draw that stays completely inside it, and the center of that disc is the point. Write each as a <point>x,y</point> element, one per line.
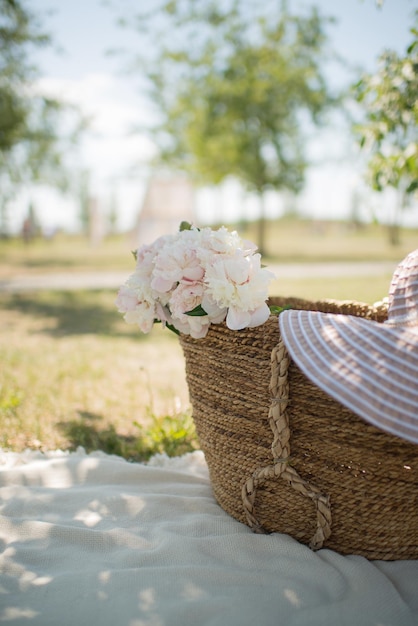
<point>288,240</point>
<point>293,240</point>
<point>172,435</point>
<point>364,288</point>
<point>65,253</point>
<point>74,373</point>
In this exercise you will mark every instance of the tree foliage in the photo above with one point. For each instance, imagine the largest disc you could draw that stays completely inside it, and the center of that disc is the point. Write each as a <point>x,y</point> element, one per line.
<point>32,140</point>
<point>235,85</point>
<point>389,132</point>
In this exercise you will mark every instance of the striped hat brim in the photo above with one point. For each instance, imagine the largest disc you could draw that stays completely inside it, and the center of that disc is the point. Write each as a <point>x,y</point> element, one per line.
<point>370,368</point>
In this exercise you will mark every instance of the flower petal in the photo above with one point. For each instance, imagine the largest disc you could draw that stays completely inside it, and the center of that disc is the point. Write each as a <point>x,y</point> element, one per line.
<point>259,316</point>
<point>237,319</point>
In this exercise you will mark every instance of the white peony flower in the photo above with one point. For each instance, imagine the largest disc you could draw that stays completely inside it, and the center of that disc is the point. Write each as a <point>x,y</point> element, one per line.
<point>259,316</point>
<point>185,297</point>
<point>216,270</point>
<point>238,281</point>
<point>195,326</point>
<point>215,313</point>
<point>177,261</point>
<point>238,319</point>
<point>126,299</point>
<point>143,316</point>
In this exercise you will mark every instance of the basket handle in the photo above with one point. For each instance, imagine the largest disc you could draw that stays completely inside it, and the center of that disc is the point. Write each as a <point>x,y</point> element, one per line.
<point>280,448</point>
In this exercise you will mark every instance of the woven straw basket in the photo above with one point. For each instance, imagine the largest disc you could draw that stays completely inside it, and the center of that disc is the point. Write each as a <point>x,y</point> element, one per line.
<point>285,457</point>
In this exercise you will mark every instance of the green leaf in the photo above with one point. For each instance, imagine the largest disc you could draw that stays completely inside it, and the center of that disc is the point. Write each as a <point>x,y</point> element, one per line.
<point>185,226</point>
<point>276,310</point>
<point>412,187</point>
<point>198,311</point>
<point>173,329</point>
<point>414,44</point>
<point>169,326</point>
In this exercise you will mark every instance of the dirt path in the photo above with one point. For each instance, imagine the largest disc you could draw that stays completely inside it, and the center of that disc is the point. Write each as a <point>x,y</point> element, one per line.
<point>112,280</point>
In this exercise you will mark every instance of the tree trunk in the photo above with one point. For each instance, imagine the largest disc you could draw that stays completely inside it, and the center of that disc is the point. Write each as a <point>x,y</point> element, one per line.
<point>261,239</point>
<point>394,234</point>
<point>394,229</point>
<point>4,218</point>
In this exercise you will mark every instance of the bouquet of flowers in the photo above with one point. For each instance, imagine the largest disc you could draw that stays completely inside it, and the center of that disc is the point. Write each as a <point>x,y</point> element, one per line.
<point>195,278</point>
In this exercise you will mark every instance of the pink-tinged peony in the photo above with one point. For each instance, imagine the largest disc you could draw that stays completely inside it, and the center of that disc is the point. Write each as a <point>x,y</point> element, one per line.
<point>195,326</point>
<point>162,313</point>
<point>143,316</point>
<point>215,313</point>
<point>223,243</point>
<point>177,261</point>
<point>138,306</point>
<point>220,241</point>
<point>126,299</point>
<point>146,255</point>
<point>185,297</point>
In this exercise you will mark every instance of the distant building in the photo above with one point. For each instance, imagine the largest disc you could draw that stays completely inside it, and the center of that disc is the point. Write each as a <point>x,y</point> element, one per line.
<point>167,202</point>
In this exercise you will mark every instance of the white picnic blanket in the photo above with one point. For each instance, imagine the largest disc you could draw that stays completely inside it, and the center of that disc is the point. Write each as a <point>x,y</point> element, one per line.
<point>93,539</point>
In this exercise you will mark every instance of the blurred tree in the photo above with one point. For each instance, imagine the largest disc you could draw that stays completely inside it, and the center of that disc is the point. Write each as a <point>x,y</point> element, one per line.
<point>236,85</point>
<point>389,99</point>
<point>112,216</point>
<point>32,142</point>
<point>84,198</point>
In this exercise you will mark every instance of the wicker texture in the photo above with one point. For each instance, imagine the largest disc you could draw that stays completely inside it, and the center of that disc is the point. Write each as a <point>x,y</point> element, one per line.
<point>285,457</point>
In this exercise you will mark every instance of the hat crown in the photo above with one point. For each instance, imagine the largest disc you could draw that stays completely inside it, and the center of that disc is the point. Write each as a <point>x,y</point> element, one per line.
<point>403,292</point>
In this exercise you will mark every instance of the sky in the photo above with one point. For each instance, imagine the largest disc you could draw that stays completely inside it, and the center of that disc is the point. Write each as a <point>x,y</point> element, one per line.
<point>79,69</point>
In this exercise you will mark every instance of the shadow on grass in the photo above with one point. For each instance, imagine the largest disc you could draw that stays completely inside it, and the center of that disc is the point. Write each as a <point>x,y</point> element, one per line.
<point>86,432</point>
<point>172,435</point>
<point>74,312</point>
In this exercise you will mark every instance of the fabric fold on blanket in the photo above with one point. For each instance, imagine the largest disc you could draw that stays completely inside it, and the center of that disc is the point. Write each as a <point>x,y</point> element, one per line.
<point>92,539</point>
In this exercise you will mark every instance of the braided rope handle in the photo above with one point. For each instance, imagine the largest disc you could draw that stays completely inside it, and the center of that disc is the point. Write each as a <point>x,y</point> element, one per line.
<point>280,448</point>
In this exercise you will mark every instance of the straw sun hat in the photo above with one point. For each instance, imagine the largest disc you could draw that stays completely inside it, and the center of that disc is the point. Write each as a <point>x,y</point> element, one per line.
<point>369,367</point>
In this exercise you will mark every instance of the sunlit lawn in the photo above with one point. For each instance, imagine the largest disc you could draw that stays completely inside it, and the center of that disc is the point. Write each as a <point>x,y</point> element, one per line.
<point>364,288</point>
<point>286,241</point>
<point>292,240</point>
<point>65,253</point>
<point>73,373</point>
